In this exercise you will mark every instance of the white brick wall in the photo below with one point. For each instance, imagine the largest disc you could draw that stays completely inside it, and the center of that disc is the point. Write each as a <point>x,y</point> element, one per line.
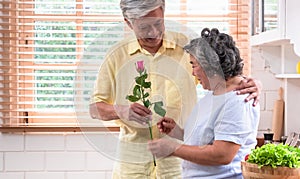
<point>41,142</point>
<point>1,161</point>
<point>45,175</point>
<point>260,69</point>
<point>14,175</point>
<point>24,161</point>
<point>65,161</point>
<point>12,142</point>
<point>53,156</point>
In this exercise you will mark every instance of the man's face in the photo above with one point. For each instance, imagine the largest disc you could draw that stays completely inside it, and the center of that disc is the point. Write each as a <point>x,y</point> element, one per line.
<point>149,29</point>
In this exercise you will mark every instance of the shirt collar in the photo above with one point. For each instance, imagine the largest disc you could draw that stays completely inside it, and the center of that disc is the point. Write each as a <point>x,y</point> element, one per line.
<point>168,42</point>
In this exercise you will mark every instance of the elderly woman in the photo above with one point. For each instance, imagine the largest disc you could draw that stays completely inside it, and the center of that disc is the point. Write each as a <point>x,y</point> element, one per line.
<point>222,127</point>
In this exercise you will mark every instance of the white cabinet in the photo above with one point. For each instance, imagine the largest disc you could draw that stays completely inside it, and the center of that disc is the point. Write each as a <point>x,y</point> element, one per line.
<point>288,30</point>
<point>281,47</point>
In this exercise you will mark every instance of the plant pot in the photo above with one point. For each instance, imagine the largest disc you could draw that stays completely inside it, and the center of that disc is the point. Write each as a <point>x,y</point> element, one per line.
<point>251,171</point>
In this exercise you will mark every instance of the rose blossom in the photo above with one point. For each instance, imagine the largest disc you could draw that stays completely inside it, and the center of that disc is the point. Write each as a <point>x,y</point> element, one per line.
<point>140,66</point>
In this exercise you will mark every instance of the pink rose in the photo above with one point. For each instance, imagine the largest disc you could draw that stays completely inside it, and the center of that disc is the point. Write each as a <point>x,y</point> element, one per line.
<point>140,66</point>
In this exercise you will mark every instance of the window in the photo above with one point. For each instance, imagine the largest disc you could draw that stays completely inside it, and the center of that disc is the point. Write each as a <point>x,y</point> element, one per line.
<point>50,58</point>
<point>265,15</point>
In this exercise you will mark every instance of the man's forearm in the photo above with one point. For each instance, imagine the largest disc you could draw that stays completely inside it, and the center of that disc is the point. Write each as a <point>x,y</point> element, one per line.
<point>103,111</point>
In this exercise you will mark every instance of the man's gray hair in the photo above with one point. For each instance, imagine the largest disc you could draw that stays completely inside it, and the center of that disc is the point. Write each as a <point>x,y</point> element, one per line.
<point>134,9</point>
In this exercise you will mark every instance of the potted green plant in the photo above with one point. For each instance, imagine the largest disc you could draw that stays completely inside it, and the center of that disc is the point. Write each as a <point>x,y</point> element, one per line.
<point>274,161</point>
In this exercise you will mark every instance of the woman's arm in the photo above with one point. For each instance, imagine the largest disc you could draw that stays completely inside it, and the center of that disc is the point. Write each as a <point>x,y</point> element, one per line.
<point>219,153</point>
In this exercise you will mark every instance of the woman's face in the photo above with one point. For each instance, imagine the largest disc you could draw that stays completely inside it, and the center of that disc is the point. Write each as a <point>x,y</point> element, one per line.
<point>199,73</point>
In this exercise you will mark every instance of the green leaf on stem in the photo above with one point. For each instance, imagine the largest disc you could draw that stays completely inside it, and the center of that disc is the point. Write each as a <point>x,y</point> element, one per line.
<point>132,98</point>
<point>147,103</point>
<point>141,79</point>
<point>147,85</point>
<point>137,91</point>
<point>146,95</point>
<point>159,109</point>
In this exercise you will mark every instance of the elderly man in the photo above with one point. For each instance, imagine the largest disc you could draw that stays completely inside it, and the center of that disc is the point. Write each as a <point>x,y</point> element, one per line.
<point>170,74</point>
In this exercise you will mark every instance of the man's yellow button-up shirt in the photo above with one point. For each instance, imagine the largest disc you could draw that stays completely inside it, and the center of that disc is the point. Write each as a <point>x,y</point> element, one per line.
<point>168,70</point>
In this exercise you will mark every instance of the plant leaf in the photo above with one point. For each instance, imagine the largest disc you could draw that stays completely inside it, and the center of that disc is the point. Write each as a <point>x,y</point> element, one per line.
<point>146,95</point>
<point>141,79</point>
<point>147,103</point>
<point>132,98</point>
<point>147,84</point>
<point>137,91</point>
<point>158,109</point>
<point>275,156</point>
<point>145,76</point>
<point>159,103</point>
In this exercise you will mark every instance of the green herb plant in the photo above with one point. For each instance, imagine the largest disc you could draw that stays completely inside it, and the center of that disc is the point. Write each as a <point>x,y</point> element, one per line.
<point>141,93</point>
<point>275,155</point>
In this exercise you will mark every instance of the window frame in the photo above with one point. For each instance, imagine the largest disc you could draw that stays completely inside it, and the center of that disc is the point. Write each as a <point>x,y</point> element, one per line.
<point>239,28</point>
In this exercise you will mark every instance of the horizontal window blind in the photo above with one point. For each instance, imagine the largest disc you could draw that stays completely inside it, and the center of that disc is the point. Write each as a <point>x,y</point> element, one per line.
<point>51,50</point>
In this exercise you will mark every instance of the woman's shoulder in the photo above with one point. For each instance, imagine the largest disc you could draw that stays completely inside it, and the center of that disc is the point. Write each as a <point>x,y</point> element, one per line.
<point>235,100</point>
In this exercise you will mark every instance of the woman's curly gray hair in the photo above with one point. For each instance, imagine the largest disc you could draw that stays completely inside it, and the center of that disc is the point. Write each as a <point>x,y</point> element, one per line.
<point>216,53</point>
